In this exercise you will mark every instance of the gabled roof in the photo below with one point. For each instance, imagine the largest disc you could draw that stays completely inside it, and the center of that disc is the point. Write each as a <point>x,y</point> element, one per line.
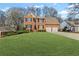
<point>30,15</point>
<point>51,20</point>
<point>40,16</point>
<point>73,22</point>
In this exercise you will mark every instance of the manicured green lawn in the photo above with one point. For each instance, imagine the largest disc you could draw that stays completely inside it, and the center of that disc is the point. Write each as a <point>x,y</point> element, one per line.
<point>38,43</point>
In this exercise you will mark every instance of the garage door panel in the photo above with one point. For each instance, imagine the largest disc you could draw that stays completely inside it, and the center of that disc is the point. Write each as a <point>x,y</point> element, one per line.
<point>48,29</point>
<point>54,29</point>
<point>51,29</point>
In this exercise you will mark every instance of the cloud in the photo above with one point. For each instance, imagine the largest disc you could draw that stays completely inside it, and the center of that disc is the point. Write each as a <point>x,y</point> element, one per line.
<point>54,4</point>
<point>63,12</point>
<point>4,9</point>
<point>25,7</point>
<point>37,6</point>
<point>70,6</point>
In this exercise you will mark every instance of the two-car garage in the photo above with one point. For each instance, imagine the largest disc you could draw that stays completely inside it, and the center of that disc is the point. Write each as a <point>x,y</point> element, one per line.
<point>51,29</point>
<point>52,24</point>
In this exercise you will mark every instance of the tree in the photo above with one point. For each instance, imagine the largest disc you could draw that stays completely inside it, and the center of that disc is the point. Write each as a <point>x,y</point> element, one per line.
<point>31,10</point>
<point>59,18</point>
<point>73,11</point>
<point>2,18</point>
<point>44,11</point>
<point>14,17</point>
<point>50,11</point>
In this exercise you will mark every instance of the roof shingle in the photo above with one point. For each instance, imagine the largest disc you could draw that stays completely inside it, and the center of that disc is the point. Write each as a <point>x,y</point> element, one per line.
<point>51,20</point>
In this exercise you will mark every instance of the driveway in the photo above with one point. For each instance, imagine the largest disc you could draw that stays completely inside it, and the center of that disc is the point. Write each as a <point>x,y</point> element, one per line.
<point>69,35</point>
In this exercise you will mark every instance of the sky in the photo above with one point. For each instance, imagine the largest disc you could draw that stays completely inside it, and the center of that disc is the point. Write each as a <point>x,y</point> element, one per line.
<point>60,7</point>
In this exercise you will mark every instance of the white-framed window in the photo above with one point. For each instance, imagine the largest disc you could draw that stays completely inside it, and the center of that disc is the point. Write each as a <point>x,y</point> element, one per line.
<point>41,20</point>
<point>29,26</point>
<point>28,19</point>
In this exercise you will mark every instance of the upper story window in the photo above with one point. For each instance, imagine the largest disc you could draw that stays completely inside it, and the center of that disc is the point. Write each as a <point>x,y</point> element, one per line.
<point>41,20</point>
<point>28,19</point>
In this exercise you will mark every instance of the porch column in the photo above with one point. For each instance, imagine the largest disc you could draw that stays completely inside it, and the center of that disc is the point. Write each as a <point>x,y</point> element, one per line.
<point>37,24</point>
<point>44,24</point>
<point>32,24</point>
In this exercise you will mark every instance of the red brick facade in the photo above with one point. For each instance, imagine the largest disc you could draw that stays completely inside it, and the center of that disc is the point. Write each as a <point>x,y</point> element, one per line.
<point>34,23</point>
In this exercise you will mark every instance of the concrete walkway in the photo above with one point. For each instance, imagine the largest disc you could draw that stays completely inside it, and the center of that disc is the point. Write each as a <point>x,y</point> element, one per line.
<point>69,35</point>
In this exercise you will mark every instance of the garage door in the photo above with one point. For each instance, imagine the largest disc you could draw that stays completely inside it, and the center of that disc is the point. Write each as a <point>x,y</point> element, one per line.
<point>50,29</point>
<point>54,29</point>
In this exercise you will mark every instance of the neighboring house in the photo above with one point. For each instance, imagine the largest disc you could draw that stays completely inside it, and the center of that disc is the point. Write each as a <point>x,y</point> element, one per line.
<point>63,25</point>
<point>3,30</point>
<point>73,25</point>
<point>36,23</point>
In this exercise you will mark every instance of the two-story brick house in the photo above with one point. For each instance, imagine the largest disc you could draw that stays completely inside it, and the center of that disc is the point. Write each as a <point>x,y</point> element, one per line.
<point>36,23</point>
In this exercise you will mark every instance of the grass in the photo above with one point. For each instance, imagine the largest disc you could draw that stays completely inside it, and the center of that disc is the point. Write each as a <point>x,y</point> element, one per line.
<point>38,44</point>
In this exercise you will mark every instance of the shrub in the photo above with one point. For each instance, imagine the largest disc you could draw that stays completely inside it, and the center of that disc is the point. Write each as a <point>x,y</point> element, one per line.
<point>22,31</point>
<point>41,30</point>
<point>15,33</point>
<point>10,33</point>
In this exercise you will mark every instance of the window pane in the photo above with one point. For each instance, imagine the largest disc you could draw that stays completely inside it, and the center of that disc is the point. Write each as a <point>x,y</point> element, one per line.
<point>29,19</point>
<point>29,26</point>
